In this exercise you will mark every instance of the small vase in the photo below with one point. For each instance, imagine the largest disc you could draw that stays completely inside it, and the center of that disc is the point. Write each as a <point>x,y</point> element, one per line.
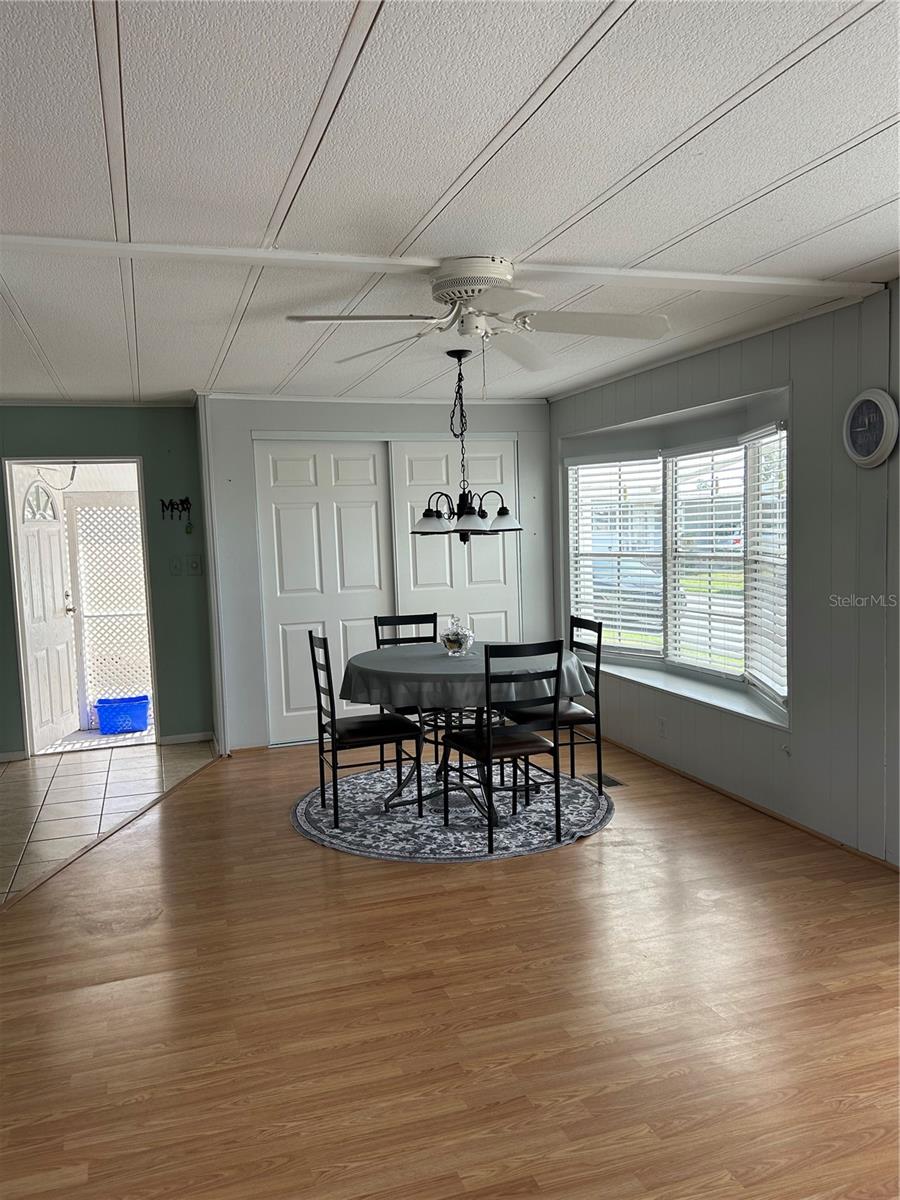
<point>456,638</point>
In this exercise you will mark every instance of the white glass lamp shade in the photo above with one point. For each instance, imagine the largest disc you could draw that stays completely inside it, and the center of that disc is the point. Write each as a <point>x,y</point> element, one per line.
<point>505,521</point>
<point>431,522</point>
<point>470,522</point>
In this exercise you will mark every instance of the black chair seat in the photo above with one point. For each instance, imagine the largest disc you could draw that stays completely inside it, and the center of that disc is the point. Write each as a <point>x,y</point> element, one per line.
<point>507,742</point>
<point>570,713</point>
<point>373,728</point>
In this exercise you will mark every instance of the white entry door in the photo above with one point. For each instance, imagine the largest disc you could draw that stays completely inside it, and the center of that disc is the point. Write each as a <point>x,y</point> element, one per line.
<point>48,628</point>
<point>478,581</point>
<point>326,565</point>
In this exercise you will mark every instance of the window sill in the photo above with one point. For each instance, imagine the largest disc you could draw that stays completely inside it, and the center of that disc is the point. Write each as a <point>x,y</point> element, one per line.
<point>702,691</point>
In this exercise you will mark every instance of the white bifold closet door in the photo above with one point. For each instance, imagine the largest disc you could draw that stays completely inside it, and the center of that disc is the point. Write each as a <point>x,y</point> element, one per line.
<point>325,564</point>
<point>479,582</point>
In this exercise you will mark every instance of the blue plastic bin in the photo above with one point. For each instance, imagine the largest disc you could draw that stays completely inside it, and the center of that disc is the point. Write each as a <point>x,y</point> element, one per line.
<point>126,714</point>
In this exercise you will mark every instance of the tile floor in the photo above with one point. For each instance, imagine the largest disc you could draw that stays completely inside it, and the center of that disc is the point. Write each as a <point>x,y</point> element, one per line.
<point>92,739</point>
<point>53,805</point>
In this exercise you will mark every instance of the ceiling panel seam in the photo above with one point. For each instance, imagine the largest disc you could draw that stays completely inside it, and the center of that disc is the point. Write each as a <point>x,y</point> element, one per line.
<point>769,188</point>
<point>371,283</point>
<point>349,52</point>
<point>679,296</point>
<point>567,65</point>
<point>31,337</point>
<point>857,216</point>
<point>766,190</point>
<point>894,250</point>
<point>109,72</point>
<point>610,16</point>
<point>782,66</point>
<point>351,48</point>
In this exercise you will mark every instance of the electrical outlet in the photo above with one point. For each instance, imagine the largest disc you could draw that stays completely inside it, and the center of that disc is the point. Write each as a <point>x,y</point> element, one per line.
<point>194,564</point>
<point>175,565</point>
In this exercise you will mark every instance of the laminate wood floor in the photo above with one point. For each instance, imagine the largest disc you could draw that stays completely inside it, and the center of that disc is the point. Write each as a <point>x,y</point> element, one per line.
<point>699,1003</point>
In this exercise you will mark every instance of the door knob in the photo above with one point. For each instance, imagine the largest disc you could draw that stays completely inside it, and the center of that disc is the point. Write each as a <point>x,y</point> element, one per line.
<point>69,610</point>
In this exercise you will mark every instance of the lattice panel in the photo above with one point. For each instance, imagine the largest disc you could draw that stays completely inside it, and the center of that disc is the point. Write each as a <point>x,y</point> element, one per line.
<point>112,601</point>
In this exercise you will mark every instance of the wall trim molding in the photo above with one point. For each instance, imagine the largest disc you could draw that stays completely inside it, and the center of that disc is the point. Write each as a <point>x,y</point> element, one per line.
<point>175,739</point>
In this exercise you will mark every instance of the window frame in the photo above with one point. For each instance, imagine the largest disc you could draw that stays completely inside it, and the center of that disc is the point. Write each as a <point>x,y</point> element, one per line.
<point>743,683</point>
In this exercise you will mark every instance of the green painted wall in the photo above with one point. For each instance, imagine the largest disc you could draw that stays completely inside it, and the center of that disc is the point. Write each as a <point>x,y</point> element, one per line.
<point>167,441</point>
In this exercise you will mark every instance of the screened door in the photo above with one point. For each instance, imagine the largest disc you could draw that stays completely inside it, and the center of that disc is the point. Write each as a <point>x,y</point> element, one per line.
<point>109,596</point>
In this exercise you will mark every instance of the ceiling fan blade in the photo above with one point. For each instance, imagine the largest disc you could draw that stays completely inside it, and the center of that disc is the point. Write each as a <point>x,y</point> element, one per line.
<point>614,325</point>
<point>522,351</point>
<point>413,337</point>
<point>374,319</point>
<point>504,300</point>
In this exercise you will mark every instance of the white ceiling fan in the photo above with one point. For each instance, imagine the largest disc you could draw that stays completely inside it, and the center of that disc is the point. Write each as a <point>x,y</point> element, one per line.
<point>482,302</point>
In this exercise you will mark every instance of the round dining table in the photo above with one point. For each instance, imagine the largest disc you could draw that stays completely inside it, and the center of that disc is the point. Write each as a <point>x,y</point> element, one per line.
<point>425,677</point>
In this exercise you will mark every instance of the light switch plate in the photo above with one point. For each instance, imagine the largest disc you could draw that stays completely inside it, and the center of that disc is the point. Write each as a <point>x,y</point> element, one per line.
<point>194,564</point>
<point>175,565</point>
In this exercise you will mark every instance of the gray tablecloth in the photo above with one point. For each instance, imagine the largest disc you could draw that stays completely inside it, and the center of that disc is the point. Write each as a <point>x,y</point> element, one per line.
<point>426,676</point>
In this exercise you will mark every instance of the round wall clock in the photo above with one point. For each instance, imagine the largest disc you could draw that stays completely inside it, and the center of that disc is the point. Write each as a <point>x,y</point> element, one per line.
<point>870,427</point>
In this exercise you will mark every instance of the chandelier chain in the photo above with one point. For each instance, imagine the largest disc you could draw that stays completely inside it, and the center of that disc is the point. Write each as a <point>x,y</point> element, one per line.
<point>459,423</point>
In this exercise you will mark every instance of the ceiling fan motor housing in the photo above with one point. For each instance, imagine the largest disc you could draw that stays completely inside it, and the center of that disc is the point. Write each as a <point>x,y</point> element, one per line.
<point>465,278</point>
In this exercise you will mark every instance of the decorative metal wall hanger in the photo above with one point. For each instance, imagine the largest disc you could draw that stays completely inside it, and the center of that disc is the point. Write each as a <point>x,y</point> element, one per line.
<point>178,506</point>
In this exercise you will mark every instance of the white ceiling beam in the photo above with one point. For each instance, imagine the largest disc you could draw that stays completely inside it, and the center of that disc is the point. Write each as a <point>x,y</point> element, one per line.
<point>768,285</point>
<point>704,281</point>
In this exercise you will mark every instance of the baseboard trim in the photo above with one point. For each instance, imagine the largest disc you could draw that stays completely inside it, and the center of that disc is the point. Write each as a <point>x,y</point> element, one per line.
<point>175,739</point>
<point>760,808</point>
<point>12,755</point>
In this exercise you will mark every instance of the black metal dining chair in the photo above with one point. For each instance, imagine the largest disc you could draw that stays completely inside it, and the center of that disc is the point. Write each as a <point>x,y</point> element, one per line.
<point>354,733</point>
<point>389,631</point>
<point>488,743</point>
<point>572,715</point>
<point>428,620</point>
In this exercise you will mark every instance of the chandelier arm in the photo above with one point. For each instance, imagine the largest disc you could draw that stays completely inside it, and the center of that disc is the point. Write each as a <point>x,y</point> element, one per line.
<point>438,496</point>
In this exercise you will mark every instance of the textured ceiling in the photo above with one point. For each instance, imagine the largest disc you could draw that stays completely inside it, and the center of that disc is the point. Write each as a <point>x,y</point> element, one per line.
<point>755,137</point>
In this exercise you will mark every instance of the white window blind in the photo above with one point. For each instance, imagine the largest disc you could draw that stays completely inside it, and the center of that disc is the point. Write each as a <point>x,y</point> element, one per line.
<point>766,561</point>
<point>615,543</point>
<point>705,560</point>
<point>712,593</point>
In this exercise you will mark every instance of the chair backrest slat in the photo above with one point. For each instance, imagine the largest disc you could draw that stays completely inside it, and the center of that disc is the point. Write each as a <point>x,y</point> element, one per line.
<point>578,625</point>
<point>543,696</point>
<point>321,663</point>
<point>403,639</point>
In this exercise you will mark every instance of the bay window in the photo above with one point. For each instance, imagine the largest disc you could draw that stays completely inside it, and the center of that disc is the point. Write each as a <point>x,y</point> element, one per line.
<point>684,557</point>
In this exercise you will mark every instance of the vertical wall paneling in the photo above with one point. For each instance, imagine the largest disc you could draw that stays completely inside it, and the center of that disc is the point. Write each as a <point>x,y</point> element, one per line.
<point>844,624</point>
<point>810,456</point>
<point>835,769</point>
<point>756,363</point>
<point>872,536</point>
<point>892,615</point>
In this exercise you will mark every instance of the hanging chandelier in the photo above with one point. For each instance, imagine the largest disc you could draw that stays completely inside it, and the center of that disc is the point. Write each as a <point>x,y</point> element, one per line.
<point>466,516</point>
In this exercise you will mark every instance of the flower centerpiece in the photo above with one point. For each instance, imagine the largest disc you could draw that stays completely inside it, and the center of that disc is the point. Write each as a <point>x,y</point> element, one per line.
<point>457,638</point>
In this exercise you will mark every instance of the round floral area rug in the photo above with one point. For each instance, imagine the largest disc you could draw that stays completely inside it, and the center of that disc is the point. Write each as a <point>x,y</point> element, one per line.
<point>368,830</point>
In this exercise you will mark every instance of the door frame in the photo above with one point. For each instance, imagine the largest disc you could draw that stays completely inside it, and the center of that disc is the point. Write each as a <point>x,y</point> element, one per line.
<point>50,460</point>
